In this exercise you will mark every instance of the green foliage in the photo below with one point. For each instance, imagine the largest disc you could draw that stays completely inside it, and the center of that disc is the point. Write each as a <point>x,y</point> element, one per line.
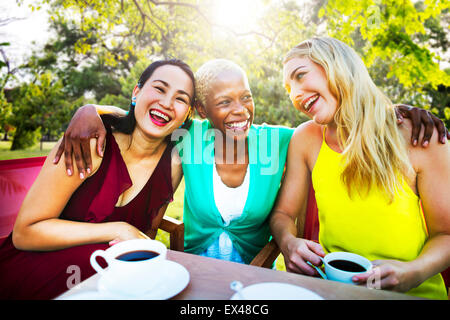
<point>38,107</point>
<point>389,30</point>
<point>400,43</point>
<point>5,109</point>
<point>101,48</point>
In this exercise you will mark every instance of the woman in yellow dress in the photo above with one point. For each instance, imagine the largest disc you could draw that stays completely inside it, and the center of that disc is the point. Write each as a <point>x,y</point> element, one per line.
<point>377,195</point>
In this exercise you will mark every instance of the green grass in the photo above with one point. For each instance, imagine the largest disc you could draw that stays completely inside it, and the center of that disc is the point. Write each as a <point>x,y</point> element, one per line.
<point>6,153</point>
<point>174,210</point>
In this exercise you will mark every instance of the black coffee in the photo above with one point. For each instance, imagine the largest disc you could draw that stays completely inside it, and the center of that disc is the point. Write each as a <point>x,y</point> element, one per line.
<point>138,255</point>
<point>347,266</point>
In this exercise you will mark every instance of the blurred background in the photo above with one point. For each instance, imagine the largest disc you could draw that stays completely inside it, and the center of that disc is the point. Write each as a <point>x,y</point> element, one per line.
<point>56,55</point>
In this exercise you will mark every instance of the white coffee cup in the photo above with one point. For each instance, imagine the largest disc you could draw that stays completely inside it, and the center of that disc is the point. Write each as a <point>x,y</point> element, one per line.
<point>338,274</point>
<point>126,277</point>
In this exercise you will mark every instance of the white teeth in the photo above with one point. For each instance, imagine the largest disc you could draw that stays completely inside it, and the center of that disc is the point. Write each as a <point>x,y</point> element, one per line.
<point>241,124</point>
<point>310,102</point>
<point>159,114</point>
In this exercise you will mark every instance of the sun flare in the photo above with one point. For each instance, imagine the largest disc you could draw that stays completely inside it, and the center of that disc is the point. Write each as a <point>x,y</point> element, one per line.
<point>238,15</point>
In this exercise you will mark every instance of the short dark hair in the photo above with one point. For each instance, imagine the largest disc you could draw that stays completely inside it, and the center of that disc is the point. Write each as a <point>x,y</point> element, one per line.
<point>126,124</point>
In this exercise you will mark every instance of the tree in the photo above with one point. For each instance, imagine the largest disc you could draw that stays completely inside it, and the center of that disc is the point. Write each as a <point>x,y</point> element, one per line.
<point>101,47</point>
<point>5,114</point>
<point>111,38</point>
<point>395,41</point>
<point>38,106</point>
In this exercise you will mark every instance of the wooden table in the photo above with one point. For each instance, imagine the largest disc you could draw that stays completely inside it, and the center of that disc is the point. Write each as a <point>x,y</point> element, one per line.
<point>210,280</point>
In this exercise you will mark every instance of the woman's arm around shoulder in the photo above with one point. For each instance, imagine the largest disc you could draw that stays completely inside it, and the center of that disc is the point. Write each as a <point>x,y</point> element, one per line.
<point>84,125</point>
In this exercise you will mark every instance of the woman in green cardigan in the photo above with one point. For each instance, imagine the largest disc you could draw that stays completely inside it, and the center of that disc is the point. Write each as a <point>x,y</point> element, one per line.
<point>232,186</point>
<point>232,168</point>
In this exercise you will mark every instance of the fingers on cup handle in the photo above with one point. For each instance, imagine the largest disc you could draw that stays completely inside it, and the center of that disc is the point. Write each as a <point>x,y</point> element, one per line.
<point>300,266</point>
<point>316,248</point>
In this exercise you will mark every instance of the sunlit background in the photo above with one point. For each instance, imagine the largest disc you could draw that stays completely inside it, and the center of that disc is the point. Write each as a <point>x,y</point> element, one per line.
<point>97,48</point>
<point>239,15</point>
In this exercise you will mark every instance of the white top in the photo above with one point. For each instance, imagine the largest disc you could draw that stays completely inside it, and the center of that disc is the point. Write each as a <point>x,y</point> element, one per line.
<point>230,201</point>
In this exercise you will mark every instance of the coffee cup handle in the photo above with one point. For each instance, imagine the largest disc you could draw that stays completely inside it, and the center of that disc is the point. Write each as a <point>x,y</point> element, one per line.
<point>94,263</point>
<point>321,273</point>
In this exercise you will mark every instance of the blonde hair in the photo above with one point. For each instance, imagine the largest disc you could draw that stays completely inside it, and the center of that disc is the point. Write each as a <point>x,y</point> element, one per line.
<point>373,147</point>
<point>208,72</point>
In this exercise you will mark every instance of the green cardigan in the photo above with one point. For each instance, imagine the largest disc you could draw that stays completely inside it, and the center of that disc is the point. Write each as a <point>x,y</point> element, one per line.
<point>203,223</point>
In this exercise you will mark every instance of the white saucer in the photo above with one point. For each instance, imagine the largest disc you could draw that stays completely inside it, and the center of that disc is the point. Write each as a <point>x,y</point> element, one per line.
<point>275,291</point>
<point>174,278</point>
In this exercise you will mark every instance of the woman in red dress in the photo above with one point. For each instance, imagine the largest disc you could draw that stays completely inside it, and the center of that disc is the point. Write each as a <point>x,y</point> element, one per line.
<point>64,219</point>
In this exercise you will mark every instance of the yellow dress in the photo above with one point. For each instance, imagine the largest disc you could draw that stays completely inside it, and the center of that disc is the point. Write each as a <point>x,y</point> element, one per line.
<point>370,226</point>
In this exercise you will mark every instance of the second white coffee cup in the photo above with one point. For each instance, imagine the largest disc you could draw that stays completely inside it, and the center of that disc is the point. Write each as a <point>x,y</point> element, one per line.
<point>343,266</point>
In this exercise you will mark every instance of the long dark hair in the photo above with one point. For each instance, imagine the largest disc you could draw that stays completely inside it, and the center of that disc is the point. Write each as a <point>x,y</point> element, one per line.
<point>126,124</point>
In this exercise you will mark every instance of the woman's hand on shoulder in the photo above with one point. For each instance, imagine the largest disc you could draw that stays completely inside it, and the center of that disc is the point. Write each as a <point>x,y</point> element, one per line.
<point>422,118</point>
<point>85,125</point>
<point>95,160</point>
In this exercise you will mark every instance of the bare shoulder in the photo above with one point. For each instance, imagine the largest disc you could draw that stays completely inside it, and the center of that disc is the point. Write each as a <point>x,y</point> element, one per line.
<point>306,142</point>
<point>307,133</point>
<point>421,157</point>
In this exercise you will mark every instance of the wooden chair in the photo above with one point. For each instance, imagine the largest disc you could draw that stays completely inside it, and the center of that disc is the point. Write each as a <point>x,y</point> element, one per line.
<point>17,176</point>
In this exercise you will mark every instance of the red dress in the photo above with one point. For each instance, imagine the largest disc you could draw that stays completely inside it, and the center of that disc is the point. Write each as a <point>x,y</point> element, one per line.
<point>45,275</point>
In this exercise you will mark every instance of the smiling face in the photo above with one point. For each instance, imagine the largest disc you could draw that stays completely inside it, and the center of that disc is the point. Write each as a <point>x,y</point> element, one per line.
<point>307,85</point>
<point>162,104</point>
<point>229,104</point>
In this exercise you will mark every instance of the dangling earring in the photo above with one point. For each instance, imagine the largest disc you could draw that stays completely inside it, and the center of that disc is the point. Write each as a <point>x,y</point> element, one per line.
<point>133,101</point>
